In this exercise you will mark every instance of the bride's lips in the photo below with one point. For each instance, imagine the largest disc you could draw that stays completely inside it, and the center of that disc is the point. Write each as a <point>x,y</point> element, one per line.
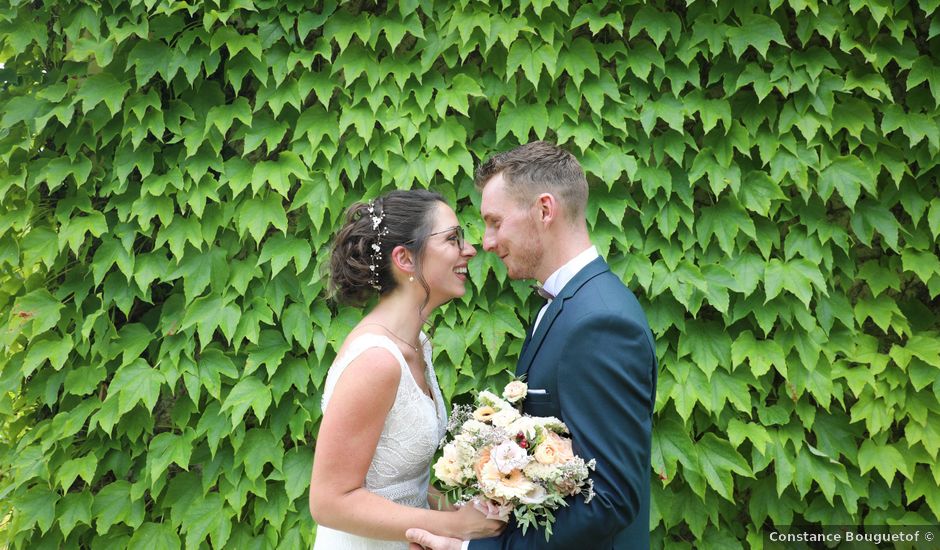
<point>461,272</point>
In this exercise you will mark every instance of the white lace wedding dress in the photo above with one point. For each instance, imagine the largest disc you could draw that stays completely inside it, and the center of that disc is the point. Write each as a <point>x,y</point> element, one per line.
<point>401,467</point>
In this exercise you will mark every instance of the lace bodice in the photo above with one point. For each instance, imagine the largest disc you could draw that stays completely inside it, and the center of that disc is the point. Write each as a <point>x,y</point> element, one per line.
<point>401,467</point>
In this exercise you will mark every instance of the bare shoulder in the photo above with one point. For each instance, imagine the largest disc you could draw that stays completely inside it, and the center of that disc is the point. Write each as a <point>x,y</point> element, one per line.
<point>375,372</point>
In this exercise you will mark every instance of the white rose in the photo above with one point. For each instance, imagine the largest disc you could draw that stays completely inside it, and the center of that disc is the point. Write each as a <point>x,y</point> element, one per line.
<point>515,391</point>
<point>537,495</point>
<point>448,471</point>
<point>474,427</point>
<point>505,417</point>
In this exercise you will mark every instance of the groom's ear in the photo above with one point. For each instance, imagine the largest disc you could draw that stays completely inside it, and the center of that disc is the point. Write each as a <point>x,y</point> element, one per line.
<point>403,259</point>
<point>547,207</point>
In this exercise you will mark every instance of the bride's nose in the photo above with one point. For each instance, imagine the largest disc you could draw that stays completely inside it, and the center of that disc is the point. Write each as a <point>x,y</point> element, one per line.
<point>468,250</point>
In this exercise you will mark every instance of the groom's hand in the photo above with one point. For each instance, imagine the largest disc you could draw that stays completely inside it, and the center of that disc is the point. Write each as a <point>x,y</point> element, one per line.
<point>420,538</point>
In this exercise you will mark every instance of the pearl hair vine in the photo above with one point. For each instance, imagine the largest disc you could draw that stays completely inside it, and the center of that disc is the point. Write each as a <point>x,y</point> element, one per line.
<point>375,258</point>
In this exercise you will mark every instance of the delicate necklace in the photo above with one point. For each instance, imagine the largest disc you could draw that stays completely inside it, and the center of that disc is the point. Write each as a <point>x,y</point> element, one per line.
<point>388,330</point>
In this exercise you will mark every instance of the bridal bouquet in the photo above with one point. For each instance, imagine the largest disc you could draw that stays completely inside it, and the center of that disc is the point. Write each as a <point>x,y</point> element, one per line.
<point>507,462</point>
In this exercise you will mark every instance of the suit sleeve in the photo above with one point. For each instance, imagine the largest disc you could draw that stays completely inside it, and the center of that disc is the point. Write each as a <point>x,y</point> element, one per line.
<point>606,378</point>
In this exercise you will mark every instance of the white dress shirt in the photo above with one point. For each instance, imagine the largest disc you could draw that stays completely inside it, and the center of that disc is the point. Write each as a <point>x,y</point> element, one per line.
<point>556,281</point>
<point>554,285</point>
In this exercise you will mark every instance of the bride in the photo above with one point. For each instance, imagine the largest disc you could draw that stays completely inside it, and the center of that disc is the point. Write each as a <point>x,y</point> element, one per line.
<point>383,413</point>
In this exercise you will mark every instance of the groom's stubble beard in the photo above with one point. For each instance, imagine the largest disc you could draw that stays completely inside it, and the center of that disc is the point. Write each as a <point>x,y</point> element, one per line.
<point>526,256</point>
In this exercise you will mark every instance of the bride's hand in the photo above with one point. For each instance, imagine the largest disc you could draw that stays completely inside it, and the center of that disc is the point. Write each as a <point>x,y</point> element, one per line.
<point>474,524</point>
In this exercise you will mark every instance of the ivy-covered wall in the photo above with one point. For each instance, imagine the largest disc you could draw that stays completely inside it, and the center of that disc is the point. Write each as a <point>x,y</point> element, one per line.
<point>764,176</point>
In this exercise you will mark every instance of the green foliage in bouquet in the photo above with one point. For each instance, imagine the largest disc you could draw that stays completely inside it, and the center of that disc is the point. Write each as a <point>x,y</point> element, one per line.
<point>764,176</point>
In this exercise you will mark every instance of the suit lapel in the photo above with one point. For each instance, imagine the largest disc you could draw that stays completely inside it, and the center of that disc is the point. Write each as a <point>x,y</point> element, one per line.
<point>534,341</point>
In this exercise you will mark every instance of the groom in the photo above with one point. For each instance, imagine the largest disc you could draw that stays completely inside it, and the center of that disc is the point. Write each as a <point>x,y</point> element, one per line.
<point>588,358</point>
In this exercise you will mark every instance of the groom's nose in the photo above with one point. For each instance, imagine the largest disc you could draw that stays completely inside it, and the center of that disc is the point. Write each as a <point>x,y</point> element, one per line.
<point>489,243</point>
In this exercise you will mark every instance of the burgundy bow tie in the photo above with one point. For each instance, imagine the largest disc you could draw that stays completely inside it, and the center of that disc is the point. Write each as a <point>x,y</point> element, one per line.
<point>542,292</point>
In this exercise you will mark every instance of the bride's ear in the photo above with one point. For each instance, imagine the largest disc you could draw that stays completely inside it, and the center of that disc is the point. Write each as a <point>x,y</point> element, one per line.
<point>403,260</point>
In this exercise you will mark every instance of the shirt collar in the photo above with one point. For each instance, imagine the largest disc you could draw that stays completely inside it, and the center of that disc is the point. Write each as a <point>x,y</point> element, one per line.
<point>556,281</point>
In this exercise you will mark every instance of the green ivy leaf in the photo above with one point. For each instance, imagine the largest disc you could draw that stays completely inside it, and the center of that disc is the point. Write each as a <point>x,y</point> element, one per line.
<point>757,31</point>
<point>717,460</point>
<point>760,354</point>
<point>136,383</point>
<point>671,445</point>
<point>74,508</point>
<point>577,58</point>
<point>169,448</point>
<point>886,459</point>
<point>235,42</point>
<point>883,310</point>
<point>922,263</point>
<point>113,505</point>
<point>724,220</point>
<point>83,467</point>
<point>298,325</point>
<point>755,433</point>
<point>38,307</point>
<point>642,58</point>
<point>149,58</point>
<point>708,344</point>
<point>155,536</point>
<point>249,392</point>
<point>269,352</point>
<point>37,507</point>
<point>847,175</point>
<point>280,249</point>
<point>494,327</point>
<point>20,109</point>
<point>259,448</point>
<point>796,276</point>
<point>871,216</point>
<point>102,87</point>
<point>207,517</point>
<point>520,120</point>
<point>56,351</point>
<point>257,213</point>
<point>656,24</point>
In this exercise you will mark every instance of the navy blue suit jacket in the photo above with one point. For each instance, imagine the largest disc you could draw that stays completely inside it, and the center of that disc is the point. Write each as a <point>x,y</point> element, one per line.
<point>593,354</point>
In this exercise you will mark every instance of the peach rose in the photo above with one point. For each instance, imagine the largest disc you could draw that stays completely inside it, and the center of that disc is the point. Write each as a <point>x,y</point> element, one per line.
<point>554,449</point>
<point>484,458</point>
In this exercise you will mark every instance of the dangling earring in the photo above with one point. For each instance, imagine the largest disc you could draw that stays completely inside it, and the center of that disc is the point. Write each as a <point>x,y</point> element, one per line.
<point>411,279</point>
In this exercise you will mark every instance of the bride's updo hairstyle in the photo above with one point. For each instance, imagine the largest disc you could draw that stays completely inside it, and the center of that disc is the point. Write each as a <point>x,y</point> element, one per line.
<point>369,234</point>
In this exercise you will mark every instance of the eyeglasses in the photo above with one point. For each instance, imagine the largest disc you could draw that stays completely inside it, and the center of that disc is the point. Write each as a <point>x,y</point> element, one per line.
<point>458,235</point>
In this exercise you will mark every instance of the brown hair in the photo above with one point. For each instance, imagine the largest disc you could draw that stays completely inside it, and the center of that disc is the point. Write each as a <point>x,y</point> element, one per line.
<point>406,217</point>
<point>539,167</point>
